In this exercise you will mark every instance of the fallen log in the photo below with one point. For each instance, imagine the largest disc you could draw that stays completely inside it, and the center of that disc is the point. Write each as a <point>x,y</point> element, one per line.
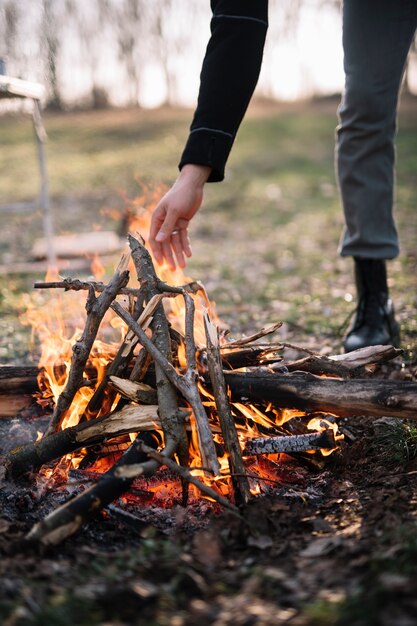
<point>344,398</point>
<point>22,379</point>
<point>293,443</point>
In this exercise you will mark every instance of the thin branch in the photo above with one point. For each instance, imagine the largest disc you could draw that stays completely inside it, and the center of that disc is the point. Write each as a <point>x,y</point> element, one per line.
<point>74,284</point>
<point>230,437</point>
<point>189,391</point>
<point>96,308</point>
<point>267,330</point>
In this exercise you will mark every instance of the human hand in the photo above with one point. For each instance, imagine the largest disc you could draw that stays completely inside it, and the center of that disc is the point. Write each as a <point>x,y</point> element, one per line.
<point>169,225</point>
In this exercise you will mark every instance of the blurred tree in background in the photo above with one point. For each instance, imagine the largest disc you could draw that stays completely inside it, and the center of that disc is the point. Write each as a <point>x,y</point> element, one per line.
<point>102,52</point>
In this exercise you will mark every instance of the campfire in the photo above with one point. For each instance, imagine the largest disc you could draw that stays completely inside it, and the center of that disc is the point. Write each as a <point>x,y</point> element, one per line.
<point>220,415</point>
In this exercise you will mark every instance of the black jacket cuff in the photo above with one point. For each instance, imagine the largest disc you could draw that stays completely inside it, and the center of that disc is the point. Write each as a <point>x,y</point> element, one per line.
<point>208,147</point>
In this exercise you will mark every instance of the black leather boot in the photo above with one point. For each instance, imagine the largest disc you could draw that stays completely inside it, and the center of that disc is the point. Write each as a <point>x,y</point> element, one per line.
<point>374,323</point>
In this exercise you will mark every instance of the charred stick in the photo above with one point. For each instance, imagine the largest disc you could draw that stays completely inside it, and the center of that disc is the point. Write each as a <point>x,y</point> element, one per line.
<point>74,284</point>
<point>364,358</point>
<point>357,364</point>
<point>140,367</point>
<point>293,443</point>
<point>320,365</point>
<point>96,308</point>
<point>118,366</point>
<point>176,379</point>
<point>249,356</point>
<point>193,287</point>
<point>205,435</point>
<point>231,441</point>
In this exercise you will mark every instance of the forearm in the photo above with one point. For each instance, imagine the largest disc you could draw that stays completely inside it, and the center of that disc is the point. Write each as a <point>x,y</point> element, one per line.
<point>228,78</point>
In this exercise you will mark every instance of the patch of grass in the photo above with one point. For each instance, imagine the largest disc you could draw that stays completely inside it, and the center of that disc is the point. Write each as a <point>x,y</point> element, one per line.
<point>323,613</point>
<point>396,442</point>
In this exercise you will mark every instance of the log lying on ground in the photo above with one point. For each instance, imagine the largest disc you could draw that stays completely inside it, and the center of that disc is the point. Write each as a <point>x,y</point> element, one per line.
<point>344,398</point>
<point>130,419</point>
<point>293,443</point>
<point>18,378</point>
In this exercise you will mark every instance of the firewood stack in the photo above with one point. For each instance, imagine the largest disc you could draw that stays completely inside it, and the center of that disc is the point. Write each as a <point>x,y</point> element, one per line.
<point>158,394</point>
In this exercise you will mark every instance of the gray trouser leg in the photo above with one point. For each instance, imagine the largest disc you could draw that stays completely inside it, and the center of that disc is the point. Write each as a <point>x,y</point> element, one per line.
<point>377,35</point>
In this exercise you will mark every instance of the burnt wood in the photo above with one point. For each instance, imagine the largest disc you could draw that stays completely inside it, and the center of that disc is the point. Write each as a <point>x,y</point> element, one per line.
<point>344,398</point>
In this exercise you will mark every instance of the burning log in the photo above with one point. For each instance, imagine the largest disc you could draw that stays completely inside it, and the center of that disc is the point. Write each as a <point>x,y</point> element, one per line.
<point>293,443</point>
<point>230,438</point>
<point>96,308</point>
<point>23,379</point>
<point>344,398</point>
<point>130,419</point>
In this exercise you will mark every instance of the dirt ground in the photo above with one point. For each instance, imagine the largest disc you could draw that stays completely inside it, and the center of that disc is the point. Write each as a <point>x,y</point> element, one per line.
<point>334,544</point>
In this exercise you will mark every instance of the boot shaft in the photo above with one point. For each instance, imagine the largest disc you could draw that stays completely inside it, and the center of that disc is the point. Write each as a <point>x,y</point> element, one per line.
<point>371,278</point>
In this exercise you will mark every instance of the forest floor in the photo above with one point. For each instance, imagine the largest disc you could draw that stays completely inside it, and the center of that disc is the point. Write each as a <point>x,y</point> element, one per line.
<point>335,545</point>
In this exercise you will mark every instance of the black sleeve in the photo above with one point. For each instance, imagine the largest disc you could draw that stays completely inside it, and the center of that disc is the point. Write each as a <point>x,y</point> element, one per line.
<point>228,78</point>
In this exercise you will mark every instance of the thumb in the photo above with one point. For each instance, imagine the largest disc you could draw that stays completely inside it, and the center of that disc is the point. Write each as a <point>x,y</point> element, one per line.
<point>167,227</point>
